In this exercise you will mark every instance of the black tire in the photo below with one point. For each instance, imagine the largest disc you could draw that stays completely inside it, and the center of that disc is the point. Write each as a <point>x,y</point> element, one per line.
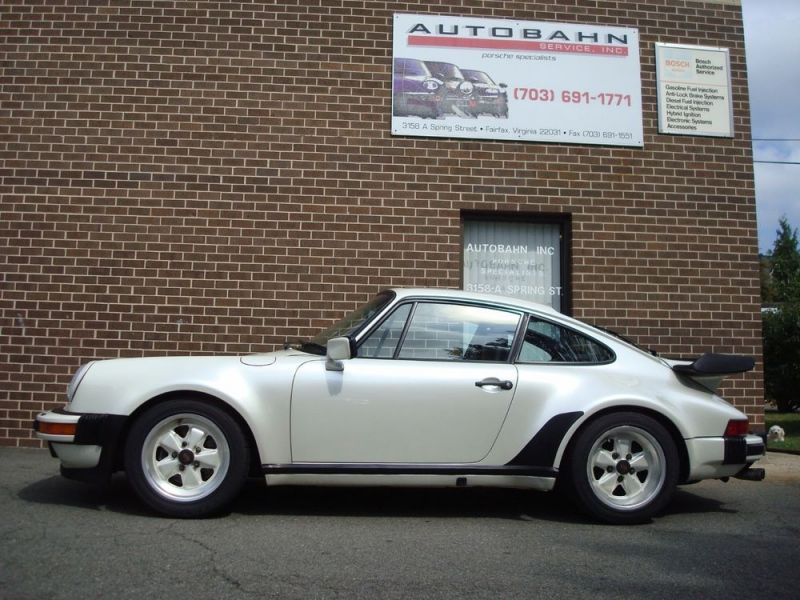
<point>622,468</point>
<point>186,458</point>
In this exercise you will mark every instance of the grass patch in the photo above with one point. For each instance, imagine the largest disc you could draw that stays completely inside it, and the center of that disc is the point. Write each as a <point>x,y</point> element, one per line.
<point>791,425</point>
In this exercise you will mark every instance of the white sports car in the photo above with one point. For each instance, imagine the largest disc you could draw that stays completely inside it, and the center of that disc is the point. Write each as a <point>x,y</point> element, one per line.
<point>415,388</point>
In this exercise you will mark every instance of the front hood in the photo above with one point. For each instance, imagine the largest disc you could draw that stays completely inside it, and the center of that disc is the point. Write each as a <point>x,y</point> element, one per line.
<point>266,359</point>
<point>120,386</point>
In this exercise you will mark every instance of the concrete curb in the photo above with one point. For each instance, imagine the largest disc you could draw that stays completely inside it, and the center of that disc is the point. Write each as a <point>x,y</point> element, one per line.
<point>781,466</point>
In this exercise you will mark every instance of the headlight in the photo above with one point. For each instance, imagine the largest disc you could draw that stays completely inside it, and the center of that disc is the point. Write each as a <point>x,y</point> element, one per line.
<point>76,380</point>
<point>431,85</point>
<point>466,88</point>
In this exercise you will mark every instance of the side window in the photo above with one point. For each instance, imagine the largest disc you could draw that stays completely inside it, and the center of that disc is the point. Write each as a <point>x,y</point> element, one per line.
<point>458,332</point>
<point>548,342</point>
<point>382,342</point>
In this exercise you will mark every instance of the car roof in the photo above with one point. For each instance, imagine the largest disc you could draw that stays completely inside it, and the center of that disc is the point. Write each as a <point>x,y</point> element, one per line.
<point>454,294</point>
<point>608,338</point>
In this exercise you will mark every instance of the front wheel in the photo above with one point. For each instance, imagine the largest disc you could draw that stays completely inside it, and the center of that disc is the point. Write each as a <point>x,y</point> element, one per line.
<point>623,468</point>
<point>186,458</point>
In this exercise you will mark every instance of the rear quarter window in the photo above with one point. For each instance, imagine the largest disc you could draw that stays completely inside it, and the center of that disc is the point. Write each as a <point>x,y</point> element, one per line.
<point>547,342</point>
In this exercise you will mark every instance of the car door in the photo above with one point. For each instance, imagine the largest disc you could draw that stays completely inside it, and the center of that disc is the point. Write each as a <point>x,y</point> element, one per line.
<point>431,384</point>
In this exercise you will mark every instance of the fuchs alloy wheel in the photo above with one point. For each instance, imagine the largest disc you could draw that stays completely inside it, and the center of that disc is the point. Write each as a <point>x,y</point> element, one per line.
<point>623,468</point>
<point>186,458</point>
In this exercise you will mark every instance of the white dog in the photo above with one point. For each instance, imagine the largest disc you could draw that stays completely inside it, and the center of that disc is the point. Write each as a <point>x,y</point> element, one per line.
<point>776,434</point>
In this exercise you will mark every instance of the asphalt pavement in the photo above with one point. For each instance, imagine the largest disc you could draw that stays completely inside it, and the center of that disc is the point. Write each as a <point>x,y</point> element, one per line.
<point>64,539</point>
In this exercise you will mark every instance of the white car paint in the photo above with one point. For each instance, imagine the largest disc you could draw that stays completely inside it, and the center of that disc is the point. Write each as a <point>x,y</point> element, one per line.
<point>394,412</point>
<point>362,419</point>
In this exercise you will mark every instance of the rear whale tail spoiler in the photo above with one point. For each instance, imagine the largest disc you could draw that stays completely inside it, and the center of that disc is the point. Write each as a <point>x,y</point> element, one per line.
<point>710,369</point>
<point>716,364</point>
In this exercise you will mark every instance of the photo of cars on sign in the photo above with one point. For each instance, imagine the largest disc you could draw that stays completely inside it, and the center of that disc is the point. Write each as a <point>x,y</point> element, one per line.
<point>434,89</point>
<point>417,387</point>
<point>416,92</point>
<point>490,97</point>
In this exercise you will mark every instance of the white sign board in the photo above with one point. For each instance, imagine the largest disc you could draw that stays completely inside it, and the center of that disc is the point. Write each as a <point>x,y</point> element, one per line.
<point>694,90</point>
<point>469,77</point>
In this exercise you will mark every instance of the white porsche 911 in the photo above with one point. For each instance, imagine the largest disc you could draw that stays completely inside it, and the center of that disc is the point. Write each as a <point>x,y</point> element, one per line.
<point>415,388</point>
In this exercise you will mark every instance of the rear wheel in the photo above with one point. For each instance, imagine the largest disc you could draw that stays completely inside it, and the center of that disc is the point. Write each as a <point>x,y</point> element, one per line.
<point>623,468</point>
<point>186,458</point>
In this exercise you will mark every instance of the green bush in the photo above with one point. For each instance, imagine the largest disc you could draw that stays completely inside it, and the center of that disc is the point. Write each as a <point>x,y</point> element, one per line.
<point>782,357</point>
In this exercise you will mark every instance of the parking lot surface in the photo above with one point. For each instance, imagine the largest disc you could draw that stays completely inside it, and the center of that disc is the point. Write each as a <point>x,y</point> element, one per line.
<point>63,539</point>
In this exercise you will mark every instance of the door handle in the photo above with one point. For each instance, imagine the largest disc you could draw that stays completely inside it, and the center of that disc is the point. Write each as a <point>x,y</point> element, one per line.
<point>503,385</point>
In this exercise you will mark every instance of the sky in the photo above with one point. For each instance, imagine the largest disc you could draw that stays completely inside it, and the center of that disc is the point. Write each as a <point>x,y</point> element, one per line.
<point>773,64</point>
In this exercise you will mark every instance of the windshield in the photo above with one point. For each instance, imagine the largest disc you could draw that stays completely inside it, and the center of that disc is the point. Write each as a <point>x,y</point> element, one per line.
<point>411,68</point>
<point>444,70</point>
<point>349,325</point>
<point>478,77</point>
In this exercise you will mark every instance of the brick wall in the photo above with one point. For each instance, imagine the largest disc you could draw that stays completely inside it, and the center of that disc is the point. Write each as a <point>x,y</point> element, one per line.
<point>213,177</point>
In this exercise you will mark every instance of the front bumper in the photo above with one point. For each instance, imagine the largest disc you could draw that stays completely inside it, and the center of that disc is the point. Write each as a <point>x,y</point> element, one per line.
<point>456,103</point>
<point>492,104</point>
<point>718,457</point>
<point>86,444</point>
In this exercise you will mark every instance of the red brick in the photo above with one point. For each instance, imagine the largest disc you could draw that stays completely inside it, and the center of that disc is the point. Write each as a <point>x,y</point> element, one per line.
<point>151,173</point>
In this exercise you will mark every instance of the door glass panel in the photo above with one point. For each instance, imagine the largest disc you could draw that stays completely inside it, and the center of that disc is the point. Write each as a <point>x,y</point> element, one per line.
<point>382,342</point>
<point>457,332</point>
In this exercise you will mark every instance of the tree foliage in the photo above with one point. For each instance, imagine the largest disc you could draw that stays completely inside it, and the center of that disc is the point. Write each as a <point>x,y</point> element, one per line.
<point>785,263</point>
<point>782,325</point>
<point>767,287</point>
<point>782,356</point>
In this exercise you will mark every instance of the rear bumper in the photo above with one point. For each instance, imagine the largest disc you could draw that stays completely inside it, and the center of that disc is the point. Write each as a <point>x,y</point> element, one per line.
<point>714,458</point>
<point>743,450</point>
<point>88,454</point>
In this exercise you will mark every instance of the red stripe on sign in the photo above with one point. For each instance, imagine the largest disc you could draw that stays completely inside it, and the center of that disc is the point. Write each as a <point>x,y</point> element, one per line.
<point>524,45</point>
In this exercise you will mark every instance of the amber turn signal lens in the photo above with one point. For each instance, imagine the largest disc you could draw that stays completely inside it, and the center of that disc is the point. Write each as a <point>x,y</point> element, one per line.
<point>58,428</point>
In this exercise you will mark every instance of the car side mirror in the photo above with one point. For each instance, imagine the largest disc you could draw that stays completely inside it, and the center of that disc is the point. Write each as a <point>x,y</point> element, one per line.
<point>338,350</point>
